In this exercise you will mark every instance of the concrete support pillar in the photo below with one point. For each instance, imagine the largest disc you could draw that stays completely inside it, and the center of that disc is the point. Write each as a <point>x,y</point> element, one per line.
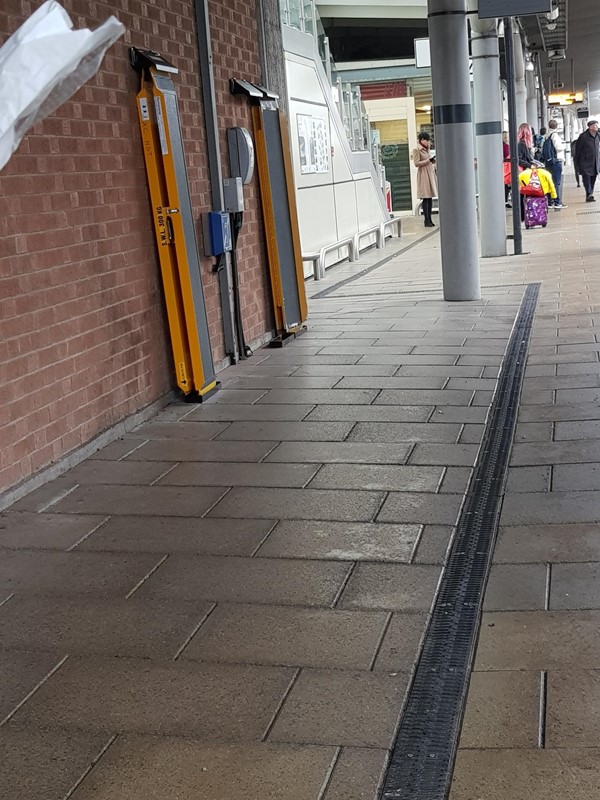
<point>455,153</point>
<point>533,116</point>
<point>488,132</point>
<point>520,85</point>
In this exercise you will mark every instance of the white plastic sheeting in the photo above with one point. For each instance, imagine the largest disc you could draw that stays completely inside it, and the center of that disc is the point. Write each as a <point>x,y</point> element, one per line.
<point>43,64</point>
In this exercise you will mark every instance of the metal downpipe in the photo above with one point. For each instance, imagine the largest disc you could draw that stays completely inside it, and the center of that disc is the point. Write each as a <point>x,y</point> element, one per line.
<point>488,132</point>
<point>209,104</point>
<point>455,154</point>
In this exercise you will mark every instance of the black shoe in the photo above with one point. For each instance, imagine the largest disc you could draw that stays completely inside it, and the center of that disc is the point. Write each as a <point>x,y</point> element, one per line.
<point>590,199</point>
<point>429,223</point>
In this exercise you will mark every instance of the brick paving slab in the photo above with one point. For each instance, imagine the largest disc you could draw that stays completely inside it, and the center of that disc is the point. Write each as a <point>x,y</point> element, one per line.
<point>319,504</point>
<point>228,474</point>
<point>155,768</point>
<point>45,764</point>
<point>182,450</point>
<point>519,587</point>
<point>548,543</point>
<point>68,574</point>
<point>309,431</point>
<point>502,710</point>
<point>291,382</point>
<point>246,580</point>
<point>455,480</point>
<point>401,643</point>
<point>377,477</point>
<point>122,473</point>
<point>285,636</point>
<point>391,587</point>
<point>146,501</point>
<point>573,717</point>
<point>357,775</point>
<point>560,507</point>
<point>231,412</point>
<point>404,432</point>
<point>433,544</point>
<point>83,625</point>
<point>24,530</point>
<point>453,455</point>
<point>575,586</point>
<point>339,453</point>
<point>356,709</point>
<point>341,541</point>
<point>129,534</point>
<point>396,382</point>
<point>372,413</point>
<point>201,431</point>
<point>534,774</point>
<point>414,507</point>
<point>141,696</point>
<point>539,640</point>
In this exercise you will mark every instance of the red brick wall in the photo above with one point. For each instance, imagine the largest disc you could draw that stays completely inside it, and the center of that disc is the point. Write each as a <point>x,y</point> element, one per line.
<point>82,332</point>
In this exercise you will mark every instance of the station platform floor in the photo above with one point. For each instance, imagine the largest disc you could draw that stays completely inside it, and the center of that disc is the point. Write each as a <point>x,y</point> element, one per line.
<point>230,600</point>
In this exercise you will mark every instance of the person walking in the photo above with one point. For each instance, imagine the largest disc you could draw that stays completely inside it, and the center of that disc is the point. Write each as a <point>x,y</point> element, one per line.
<point>587,158</point>
<point>553,156</point>
<point>426,177</point>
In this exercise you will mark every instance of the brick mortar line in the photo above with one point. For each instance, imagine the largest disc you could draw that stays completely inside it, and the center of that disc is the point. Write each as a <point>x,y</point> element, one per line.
<point>91,766</point>
<point>140,583</point>
<point>197,627</point>
<point>279,709</point>
<point>88,534</point>
<point>38,685</point>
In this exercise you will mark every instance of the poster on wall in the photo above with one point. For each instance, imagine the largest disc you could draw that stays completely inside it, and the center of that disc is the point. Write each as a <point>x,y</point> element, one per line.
<point>313,136</point>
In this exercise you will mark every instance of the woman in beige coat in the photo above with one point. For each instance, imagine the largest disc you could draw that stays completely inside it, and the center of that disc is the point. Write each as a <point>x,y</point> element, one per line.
<point>426,178</point>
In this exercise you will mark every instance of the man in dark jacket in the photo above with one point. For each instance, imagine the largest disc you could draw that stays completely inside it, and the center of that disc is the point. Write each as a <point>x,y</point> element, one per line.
<point>587,158</point>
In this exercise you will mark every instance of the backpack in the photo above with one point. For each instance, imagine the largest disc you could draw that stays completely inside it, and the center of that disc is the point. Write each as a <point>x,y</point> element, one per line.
<point>533,187</point>
<point>549,151</point>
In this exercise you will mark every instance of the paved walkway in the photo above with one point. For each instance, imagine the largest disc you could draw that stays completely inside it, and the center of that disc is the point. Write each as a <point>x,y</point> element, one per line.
<point>229,601</point>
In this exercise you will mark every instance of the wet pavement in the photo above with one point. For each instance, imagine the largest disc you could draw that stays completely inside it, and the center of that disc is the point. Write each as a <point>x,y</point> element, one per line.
<point>229,601</point>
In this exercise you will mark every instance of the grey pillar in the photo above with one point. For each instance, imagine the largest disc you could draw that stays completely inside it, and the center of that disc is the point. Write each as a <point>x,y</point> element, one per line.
<point>520,85</point>
<point>455,154</point>
<point>532,100</point>
<point>488,133</point>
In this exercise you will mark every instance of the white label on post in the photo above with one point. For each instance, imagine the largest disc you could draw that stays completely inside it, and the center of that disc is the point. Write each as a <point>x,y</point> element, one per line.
<point>161,126</point>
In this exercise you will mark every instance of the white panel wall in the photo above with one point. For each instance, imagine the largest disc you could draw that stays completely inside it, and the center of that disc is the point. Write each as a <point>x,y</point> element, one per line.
<point>339,203</point>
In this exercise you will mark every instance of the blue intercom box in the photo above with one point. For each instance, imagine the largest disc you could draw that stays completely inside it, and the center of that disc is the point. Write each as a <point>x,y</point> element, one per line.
<point>217,233</point>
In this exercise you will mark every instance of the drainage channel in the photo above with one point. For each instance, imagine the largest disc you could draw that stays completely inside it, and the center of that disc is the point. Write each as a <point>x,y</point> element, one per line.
<point>424,752</point>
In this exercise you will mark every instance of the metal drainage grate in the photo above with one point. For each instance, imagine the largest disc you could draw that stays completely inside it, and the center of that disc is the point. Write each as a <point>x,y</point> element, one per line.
<point>586,213</point>
<point>422,762</point>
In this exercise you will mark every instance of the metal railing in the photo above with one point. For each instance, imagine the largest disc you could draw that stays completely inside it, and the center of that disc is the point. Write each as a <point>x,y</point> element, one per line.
<point>353,243</point>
